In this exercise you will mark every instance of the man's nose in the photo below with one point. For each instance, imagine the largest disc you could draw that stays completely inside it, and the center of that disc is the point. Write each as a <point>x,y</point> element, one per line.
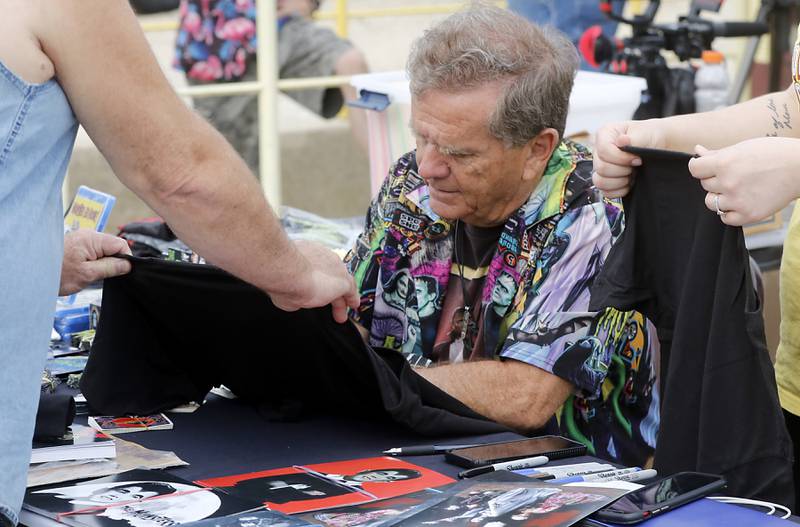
<point>432,164</point>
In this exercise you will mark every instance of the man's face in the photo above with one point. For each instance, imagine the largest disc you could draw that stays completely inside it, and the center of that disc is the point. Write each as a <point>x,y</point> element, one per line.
<point>378,476</point>
<point>503,291</point>
<point>122,494</point>
<point>402,285</point>
<point>471,174</point>
<point>424,294</point>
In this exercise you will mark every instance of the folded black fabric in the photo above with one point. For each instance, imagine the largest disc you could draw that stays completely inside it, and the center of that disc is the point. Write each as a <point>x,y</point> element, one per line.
<point>54,416</point>
<point>679,265</point>
<point>169,331</point>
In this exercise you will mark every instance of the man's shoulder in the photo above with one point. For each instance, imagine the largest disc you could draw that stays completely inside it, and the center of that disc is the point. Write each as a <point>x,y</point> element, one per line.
<point>578,151</point>
<point>565,184</point>
<point>578,187</point>
<point>579,191</point>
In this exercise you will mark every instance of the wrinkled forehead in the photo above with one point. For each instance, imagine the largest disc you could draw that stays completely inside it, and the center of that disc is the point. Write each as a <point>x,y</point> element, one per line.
<point>482,96</point>
<point>454,113</point>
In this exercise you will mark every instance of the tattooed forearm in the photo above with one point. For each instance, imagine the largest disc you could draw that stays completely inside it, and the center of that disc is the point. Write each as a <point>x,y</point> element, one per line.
<point>780,119</point>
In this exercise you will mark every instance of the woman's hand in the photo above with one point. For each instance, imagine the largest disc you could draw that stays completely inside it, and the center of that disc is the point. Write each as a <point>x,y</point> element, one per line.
<point>751,180</point>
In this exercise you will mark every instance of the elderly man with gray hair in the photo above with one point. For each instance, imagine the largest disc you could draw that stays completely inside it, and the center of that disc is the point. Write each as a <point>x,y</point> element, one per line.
<point>493,189</point>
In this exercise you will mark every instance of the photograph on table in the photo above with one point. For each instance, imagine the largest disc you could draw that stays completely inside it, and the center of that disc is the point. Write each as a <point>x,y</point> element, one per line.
<point>500,499</point>
<point>138,498</point>
<point>508,504</point>
<point>262,518</point>
<point>130,423</point>
<point>325,485</point>
<point>376,513</point>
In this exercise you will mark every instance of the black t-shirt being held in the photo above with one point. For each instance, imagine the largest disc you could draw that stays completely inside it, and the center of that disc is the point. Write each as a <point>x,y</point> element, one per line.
<point>689,273</point>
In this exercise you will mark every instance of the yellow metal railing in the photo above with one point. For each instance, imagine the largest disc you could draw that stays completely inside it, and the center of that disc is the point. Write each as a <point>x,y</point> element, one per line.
<point>341,15</point>
<point>268,84</point>
<point>269,148</point>
<point>241,88</point>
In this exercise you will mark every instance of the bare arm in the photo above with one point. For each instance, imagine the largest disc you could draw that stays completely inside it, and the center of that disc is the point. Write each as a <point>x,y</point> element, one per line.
<point>510,392</point>
<point>170,157</point>
<point>772,115</point>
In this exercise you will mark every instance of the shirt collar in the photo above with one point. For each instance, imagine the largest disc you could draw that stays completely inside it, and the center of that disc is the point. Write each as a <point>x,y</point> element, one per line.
<point>548,198</point>
<point>415,193</point>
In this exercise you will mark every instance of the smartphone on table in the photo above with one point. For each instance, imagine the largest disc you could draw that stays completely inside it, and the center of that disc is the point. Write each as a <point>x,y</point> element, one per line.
<point>554,447</point>
<point>659,497</point>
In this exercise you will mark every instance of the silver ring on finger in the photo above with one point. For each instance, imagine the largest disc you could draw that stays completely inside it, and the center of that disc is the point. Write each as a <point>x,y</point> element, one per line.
<point>720,212</point>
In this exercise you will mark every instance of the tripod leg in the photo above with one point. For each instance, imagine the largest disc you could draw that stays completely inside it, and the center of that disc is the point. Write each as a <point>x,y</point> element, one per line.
<point>779,31</point>
<point>746,64</point>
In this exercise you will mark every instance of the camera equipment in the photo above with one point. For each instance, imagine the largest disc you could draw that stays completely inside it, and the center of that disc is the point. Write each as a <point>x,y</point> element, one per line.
<point>670,91</point>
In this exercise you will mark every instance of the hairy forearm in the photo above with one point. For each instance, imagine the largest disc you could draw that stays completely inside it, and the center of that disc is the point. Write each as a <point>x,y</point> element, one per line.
<point>213,203</point>
<point>774,115</point>
<point>512,393</point>
<point>158,147</point>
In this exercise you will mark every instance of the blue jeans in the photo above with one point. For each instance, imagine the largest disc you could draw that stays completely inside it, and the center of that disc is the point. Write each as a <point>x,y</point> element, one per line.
<point>571,17</point>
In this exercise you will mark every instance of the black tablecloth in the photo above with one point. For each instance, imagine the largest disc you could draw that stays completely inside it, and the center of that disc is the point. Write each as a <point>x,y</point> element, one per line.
<point>227,437</point>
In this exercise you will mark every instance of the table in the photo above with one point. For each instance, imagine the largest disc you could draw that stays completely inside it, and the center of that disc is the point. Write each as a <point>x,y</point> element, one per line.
<point>230,437</point>
<point>225,437</point>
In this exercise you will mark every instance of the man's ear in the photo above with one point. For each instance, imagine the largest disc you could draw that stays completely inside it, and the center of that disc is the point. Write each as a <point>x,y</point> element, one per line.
<point>538,152</point>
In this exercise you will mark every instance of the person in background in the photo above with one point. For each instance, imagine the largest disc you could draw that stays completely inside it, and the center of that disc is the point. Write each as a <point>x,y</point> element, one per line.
<point>571,17</point>
<point>216,42</point>
<point>748,162</point>
<point>87,61</point>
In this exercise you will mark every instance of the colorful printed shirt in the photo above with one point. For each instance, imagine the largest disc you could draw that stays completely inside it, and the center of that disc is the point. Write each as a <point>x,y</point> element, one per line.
<point>552,247</point>
<point>215,38</point>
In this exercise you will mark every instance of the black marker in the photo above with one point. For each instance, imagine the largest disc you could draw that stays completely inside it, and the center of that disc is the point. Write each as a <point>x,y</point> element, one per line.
<point>517,464</point>
<point>424,450</point>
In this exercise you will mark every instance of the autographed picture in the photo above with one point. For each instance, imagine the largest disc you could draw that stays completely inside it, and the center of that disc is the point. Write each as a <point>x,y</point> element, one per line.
<point>326,485</point>
<point>138,498</point>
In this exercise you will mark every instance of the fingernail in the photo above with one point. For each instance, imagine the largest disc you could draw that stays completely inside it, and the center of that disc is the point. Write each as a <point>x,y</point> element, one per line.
<point>636,162</point>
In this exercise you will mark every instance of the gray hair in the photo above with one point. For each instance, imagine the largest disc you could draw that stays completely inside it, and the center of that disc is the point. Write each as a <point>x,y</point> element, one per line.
<point>484,44</point>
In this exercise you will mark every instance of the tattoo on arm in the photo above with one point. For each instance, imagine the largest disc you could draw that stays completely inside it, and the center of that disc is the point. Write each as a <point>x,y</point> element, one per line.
<point>781,119</point>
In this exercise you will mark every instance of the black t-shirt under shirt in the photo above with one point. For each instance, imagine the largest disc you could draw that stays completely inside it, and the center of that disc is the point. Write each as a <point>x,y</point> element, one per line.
<point>473,249</point>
